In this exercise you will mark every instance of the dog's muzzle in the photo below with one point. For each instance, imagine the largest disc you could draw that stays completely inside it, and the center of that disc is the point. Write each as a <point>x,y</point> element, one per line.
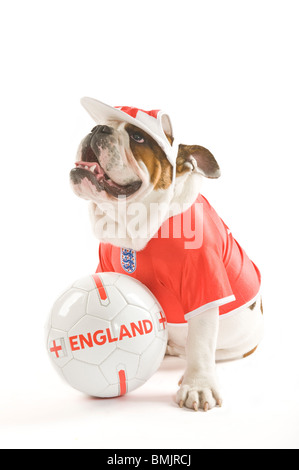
<point>102,130</point>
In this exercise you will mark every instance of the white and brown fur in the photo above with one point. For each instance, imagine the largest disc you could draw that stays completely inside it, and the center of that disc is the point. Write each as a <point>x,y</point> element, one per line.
<point>137,164</point>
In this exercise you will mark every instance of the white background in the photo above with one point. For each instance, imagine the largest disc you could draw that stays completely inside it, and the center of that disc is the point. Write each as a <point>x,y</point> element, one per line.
<point>227,73</point>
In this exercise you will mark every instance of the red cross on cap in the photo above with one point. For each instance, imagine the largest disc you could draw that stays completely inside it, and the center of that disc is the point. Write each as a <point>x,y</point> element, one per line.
<point>134,111</point>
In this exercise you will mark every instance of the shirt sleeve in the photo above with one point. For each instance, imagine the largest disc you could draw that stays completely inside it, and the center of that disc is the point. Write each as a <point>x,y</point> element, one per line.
<point>205,283</point>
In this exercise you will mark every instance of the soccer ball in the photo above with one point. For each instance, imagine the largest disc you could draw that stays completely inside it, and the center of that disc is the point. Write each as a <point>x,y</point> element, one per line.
<point>106,334</point>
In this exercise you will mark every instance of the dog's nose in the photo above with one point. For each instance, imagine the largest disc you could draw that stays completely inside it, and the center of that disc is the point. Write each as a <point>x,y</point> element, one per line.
<point>102,130</point>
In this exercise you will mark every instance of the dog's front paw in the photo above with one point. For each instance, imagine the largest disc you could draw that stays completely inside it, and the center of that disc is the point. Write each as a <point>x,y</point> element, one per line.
<point>198,391</point>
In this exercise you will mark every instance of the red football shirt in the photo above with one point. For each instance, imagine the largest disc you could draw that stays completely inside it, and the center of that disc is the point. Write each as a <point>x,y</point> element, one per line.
<point>189,273</point>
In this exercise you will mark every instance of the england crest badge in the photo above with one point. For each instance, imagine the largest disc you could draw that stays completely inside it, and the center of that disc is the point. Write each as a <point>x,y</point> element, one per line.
<point>128,260</point>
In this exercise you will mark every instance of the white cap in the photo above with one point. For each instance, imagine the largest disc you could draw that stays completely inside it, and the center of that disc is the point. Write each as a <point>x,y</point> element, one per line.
<point>155,123</point>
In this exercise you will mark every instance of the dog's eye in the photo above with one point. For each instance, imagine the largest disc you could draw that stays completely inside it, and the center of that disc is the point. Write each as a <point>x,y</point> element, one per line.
<point>137,137</point>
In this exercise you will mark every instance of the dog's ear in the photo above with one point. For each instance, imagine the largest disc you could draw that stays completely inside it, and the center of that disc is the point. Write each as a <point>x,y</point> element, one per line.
<point>197,159</point>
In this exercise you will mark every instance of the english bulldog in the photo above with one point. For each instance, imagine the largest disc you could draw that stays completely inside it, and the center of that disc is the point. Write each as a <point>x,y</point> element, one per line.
<point>154,224</point>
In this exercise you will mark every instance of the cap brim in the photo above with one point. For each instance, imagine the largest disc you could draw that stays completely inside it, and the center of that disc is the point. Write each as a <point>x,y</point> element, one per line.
<point>101,112</point>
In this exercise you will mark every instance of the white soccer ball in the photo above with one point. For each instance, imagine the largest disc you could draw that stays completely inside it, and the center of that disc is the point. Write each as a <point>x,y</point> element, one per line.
<point>107,334</point>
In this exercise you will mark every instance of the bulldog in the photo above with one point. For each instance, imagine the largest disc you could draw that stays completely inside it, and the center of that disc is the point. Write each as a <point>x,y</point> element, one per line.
<point>154,224</point>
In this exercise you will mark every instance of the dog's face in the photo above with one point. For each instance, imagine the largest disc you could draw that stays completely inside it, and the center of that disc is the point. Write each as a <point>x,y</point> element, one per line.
<point>119,159</point>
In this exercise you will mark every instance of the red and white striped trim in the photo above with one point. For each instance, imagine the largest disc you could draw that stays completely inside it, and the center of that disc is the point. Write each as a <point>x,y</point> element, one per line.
<point>214,304</point>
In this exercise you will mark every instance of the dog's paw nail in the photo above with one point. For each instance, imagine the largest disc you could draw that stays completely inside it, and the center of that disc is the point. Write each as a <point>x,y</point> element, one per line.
<point>180,381</point>
<point>206,406</point>
<point>195,406</point>
<point>181,404</point>
<point>219,403</point>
